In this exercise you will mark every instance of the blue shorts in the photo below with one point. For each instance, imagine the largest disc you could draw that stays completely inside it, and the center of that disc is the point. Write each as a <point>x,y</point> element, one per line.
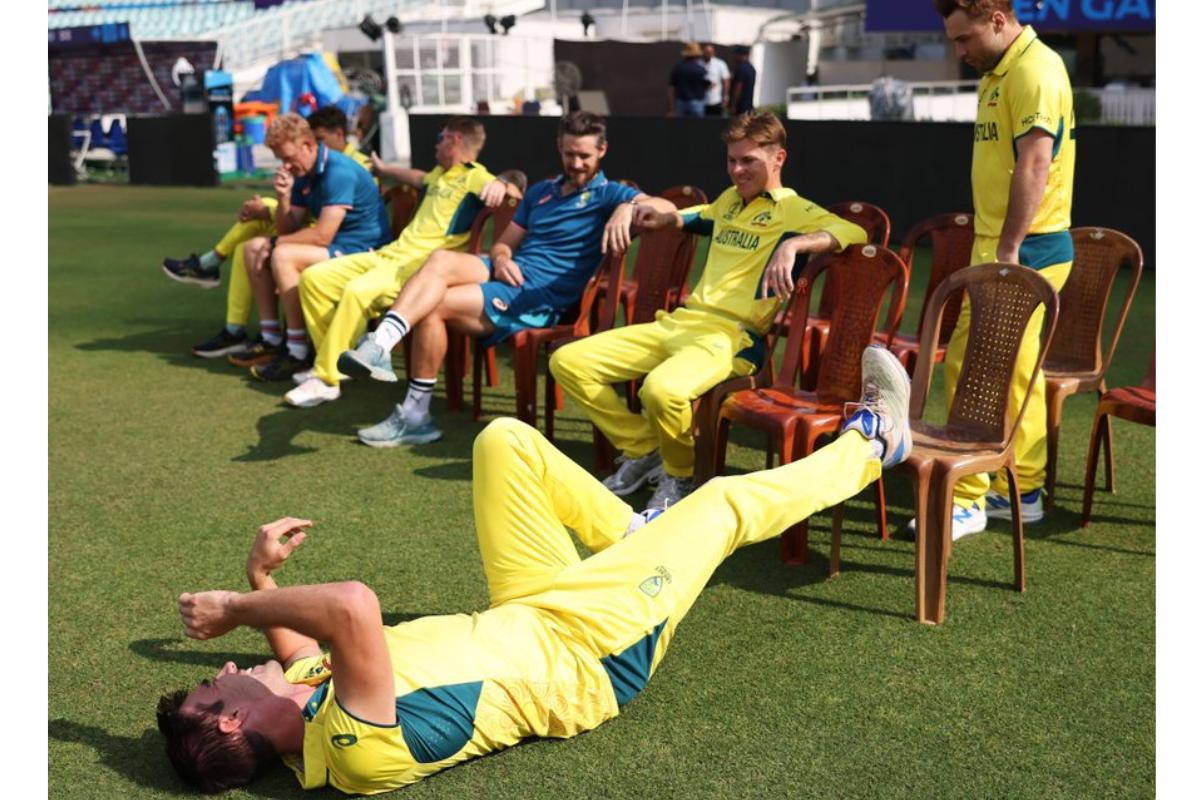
<point>503,307</point>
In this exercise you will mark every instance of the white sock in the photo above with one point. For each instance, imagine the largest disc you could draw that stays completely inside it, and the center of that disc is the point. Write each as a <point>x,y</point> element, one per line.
<point>269,330</point>
<point>297,343</point>
<point>392,328</point>
<point>210,259</point>
<point>416,402</point>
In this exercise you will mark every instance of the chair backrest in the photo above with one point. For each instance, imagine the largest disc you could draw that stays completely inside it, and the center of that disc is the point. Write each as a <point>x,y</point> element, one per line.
<point>682,196</point>
<point>1003,300</point>
<point>861,275</point>
<point>517,178</point>
<point>610,272</point>
<point>952,237</point>
<point>499,216</point>
<point>402,200</point>
<point>871,218</point>
<point>1078,340</point>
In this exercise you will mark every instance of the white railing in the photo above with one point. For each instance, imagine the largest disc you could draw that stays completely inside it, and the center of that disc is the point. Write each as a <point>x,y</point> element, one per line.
<point>950,101</point>
<point>936,101</point>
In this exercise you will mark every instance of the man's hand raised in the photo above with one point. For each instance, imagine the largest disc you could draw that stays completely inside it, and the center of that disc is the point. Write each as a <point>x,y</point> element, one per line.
<point>273,544</point>
<point>207,615</point>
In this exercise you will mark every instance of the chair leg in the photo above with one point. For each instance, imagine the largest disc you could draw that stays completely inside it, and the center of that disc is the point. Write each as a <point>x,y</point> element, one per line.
<point>881,510</point>
<point>1089,471</point>
<point>456,365</point>
<point>720,442</point>
<point>603,452</point>
<point>525,364</point>
<point>551,385</point>
<point>835,540</point>
<point>1054,407</point>
<point>794,542</point>
<point>493,377</point>
<point>1110,467</point>
<point>477,382</point>
<point>1018,533</point>
<point>934,517</point>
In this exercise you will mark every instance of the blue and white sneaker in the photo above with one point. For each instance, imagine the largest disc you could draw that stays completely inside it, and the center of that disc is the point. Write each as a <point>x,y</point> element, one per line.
<point>641,519</point>
<point>882,414</point>
<point>397,430</point>
<point>998,506</point>
<point>965,521</point>
<point>368,358</point>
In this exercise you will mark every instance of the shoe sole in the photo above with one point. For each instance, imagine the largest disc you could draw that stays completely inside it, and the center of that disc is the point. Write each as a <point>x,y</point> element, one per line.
<point>649,477</point>
<point>204,283</point>
<point>895,372</point>
<point>350,365</point>
<point>310,402</point>
<point>287,376</point>
<point>387,444</point>
<point>251,362</point>
<point>232,350</point>
<point>1027,517</point>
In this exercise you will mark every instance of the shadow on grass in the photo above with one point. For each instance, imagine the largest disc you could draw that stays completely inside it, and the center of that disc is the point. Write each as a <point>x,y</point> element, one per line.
<point>141,761</point>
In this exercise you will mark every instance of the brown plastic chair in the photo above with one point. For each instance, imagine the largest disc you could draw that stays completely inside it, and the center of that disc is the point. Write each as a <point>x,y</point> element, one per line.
<point>527,344</point>
<point>795,419</point>
<point>459,344</point>
<point>402,201</point>
<point>1078,361</point>
<point>978,435</point>
<point>951,237</point>
<point>875,221</point>
<point>1133,403</point>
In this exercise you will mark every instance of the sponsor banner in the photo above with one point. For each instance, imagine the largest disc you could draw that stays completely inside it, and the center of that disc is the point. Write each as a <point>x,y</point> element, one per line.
<point>1047,15</point>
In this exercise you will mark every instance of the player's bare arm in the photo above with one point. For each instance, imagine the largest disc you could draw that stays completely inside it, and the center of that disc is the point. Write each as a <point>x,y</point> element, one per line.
<point>254,208</point>
<point>273,544</point>
<point>778,275</point>
<point>346,615</point>
<point>503,267</point>
<point>405,175</point>
<point>1034,154</point>
<point>320,234</point>
<point>618,232</point>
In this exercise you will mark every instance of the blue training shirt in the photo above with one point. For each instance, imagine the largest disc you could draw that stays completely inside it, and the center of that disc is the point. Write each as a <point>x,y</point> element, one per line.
<point>338,180</point>
<point>561,248</point>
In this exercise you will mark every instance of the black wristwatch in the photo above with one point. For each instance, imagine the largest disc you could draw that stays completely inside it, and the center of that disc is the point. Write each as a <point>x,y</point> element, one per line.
<point>272,240</point>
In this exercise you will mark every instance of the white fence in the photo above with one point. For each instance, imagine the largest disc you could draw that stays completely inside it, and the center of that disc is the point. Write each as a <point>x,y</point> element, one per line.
<point>949,101</point>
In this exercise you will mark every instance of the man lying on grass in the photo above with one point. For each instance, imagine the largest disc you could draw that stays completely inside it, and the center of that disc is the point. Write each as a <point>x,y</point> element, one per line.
<point>565,644</point>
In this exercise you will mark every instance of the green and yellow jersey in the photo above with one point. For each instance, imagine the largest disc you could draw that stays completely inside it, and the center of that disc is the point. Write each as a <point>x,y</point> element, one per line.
<point>1028,89</point>
<point>466,685</point>
<point>744,237</point>
<point>448,208</point>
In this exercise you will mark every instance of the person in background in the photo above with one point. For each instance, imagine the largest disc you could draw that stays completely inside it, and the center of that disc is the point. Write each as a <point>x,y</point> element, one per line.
<point>688,84</point>
<point>718,82</point>
<point>741,88</point>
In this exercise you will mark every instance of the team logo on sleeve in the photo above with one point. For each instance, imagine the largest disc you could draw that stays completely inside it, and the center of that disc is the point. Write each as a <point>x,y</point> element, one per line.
<point>344,739</point>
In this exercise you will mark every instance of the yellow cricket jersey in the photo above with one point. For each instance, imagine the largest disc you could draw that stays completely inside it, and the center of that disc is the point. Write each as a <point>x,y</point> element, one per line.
<point>744,237</point>
<point>359,157</point>
<point>466,685</point>
<point>1028,89</point>
<point>447,211</point>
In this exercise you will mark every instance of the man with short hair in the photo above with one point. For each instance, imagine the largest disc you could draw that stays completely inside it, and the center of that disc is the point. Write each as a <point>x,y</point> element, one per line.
<point>350,218</point>
<point>339,296</point>
<point>564,646</point>
<point>758,228</point>
<point>255,219</point>
<point>535,270</point>
<point>741,89</point>
<point>718,82</point>
<point>1022,172</point>
<point>688,84</point>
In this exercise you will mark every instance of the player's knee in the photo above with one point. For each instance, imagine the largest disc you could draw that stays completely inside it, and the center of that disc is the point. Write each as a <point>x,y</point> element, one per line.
<point>658,394</point>
<point>563,363</point>
<point>501,432</point>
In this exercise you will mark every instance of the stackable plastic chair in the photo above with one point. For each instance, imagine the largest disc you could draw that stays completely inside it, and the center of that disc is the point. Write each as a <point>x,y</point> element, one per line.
<point>979,433</point>
<point>951,237</point>
<point>402,202</point>
<point>1133,403</point>
<point>1078,361</point>
<point>863,277</point>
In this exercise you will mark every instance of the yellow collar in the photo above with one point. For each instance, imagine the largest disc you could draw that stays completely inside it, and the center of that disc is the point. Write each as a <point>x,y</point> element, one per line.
<point>1015,51</point>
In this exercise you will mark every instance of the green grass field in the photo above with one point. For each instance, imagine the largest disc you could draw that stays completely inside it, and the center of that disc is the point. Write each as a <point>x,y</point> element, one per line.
<point>780,683</point>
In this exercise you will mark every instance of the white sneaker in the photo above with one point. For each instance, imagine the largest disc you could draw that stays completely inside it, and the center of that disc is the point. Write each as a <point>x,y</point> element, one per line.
<point>998,506</point>
<point>882,412</point>
<point>301,377</point>
<point>966,521</point>
<point>312,392</point>
<point>670,490</point>
<point>633,473</point>
<point>641,519</point>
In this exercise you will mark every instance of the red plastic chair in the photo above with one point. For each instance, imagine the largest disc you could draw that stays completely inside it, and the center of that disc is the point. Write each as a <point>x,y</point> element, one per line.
<point>402,202</point>
<point>795,419</point>
<point>1133,403</point>
<point>951,237</point>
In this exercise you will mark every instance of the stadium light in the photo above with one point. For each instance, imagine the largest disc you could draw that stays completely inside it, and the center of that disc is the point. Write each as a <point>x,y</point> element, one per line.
<point>588,22</point>
<point>490,22</point>
<point>393,25</point>
<point>508,23</point>
<point>370,28</point>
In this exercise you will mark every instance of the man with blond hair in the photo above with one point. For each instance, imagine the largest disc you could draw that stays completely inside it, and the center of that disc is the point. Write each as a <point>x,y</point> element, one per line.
<point>1022,172</point>
<point>340,295</point>
<point>349,217</point>
<point>758,229</point>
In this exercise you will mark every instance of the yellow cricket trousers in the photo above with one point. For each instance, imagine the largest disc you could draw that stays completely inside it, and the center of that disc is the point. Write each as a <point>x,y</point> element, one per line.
<point>682,355</point>
<point>338,296</point>
<point>623,603</point>
<point>240,297</point>
<point>1030,440</point>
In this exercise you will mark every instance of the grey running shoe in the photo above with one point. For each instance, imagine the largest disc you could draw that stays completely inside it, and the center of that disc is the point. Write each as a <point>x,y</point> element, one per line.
<point>882,413</point>
<point>670,491</point>
<point>632,473</point>
<point>368,358</point>
<point>397,430</point>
